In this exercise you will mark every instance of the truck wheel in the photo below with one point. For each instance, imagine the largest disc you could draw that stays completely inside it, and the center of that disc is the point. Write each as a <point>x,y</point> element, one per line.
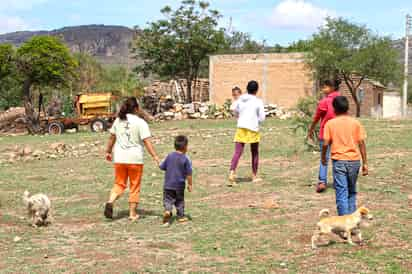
<point>55,128</point>
<point>98,125</point>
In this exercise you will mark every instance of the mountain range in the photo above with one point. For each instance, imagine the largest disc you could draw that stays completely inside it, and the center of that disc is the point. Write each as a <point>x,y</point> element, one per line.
<point>110,45</point>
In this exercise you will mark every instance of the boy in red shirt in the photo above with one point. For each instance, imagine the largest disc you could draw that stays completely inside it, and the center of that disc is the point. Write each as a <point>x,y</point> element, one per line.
<point>324,113</point>
<point>346,137</point>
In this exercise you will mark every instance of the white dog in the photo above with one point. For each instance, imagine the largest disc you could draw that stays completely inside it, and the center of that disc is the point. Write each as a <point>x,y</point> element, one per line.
<point>38,207</point>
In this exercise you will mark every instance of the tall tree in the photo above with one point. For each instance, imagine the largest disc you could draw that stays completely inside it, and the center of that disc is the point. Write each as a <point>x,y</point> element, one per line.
<point>88,73</point>
<point>299,46</point>
<point>175,47</point>
<point>241,42</point>
<point>7,56</point>
<point>352,53</point>
<point>120,81</point>
<point>9,80</point>
<point>43,61</point>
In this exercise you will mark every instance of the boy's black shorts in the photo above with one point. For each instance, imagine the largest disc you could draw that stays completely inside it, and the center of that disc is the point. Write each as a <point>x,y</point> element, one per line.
<point>172,197</point>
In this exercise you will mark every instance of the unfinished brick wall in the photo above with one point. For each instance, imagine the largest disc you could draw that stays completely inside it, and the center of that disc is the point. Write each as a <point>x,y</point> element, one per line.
<point>371,100</point>
<point>283,78</point>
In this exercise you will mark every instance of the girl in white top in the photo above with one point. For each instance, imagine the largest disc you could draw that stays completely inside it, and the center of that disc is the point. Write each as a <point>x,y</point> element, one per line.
<point>250,112</point>
<point>129,136</point>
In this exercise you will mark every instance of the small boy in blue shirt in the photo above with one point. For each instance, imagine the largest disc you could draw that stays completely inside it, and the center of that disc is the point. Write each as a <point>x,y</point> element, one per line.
<point>178,169</point>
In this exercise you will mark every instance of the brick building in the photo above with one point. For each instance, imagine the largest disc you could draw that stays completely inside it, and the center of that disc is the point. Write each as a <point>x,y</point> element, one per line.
<point>283,78</point>
<point>371,95</point>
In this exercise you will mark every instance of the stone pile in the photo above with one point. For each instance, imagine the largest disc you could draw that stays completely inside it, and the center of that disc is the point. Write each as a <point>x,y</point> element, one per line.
<point>199,110</point>
<point>194,110</point>
<point>272,110</point>
<point>53,151</point>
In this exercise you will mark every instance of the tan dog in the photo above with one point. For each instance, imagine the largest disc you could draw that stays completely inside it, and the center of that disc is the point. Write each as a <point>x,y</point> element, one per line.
<point>348,224</point>
<point>38,207</point>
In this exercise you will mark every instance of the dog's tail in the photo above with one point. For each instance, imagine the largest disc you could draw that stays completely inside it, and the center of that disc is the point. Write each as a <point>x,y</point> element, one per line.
<point>324,213</point>
<point>26,198</point>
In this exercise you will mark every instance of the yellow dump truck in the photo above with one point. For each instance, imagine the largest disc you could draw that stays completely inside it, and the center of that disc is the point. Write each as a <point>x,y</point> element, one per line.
<point>94,109</point>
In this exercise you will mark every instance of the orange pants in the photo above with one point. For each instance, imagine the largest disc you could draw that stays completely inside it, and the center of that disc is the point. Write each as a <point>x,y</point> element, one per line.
<point>131,172</point>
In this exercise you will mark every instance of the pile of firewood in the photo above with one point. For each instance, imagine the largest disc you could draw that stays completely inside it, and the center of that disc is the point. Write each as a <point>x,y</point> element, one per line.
<point>161,96</point>
<point>154,104</point>
<point>13,121</point>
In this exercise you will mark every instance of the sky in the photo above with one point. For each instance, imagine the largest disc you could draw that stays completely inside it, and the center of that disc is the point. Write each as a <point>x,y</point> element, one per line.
<point>275,21</point>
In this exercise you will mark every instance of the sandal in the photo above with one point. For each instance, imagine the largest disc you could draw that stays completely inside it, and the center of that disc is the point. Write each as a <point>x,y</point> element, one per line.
<point>108,210</point>
<point>232,180</point>
<point>183,219</point>
<point>167,217</point>
<point>321,187</point>
<point>134,218</point>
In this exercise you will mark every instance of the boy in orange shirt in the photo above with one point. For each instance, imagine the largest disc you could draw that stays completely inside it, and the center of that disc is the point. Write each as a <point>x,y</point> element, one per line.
<point>347,139</point>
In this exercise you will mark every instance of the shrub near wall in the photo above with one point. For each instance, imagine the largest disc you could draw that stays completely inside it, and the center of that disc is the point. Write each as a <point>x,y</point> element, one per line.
<point>307,107</point>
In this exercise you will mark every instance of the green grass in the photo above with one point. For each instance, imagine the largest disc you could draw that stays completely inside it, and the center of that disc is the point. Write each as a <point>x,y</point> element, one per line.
<point>226,235</point>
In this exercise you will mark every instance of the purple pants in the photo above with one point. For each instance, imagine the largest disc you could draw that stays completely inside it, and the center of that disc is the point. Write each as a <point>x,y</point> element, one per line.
<point>239,147</point>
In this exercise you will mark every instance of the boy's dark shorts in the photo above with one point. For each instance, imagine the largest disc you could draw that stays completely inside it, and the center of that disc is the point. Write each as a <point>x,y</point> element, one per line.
<point>172,197</point>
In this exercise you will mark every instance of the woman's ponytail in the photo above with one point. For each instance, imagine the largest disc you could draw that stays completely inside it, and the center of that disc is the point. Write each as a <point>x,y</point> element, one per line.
<point>123,112</point>
<point>128,107</point>
<point>337,84</point>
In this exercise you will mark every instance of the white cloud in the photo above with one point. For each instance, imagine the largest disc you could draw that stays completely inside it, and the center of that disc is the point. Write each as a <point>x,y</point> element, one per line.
<point>12,24</point>
<point>19,4</point>
<point>9,21</point>
<point>299,15</point>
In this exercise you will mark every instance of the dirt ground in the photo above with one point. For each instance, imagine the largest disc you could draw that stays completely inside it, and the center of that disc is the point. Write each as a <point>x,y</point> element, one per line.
<point>233,230</point>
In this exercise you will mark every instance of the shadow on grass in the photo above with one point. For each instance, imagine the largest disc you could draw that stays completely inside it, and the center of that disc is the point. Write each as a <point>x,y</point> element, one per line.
<point>123,214</point>
<point>343,244</point>
<point>328,244</point>
<point>244,180</point>
<point>174,220</point>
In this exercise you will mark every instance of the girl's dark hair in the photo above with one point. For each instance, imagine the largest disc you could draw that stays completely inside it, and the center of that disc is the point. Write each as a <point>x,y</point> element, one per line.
<point>335,84</point>
<point>252,87</point>
<point>236,88</point>
<point>341,105</point>
<point>129,106</point>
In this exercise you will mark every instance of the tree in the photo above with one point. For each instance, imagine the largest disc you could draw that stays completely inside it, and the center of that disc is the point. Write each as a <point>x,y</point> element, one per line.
<point>241,42</point>
<point>352,53</point>
<point>88,73</point>
<point>175,47</point>
<point>9,95</point>
<point>277,48</point>
<point>120,81</point>
<point>299,46</point>
<point>7,56</point>
<point>43,61</point>
<point>10,92</point>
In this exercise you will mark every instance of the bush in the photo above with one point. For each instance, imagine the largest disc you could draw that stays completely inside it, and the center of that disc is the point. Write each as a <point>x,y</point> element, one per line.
<point>307,107</point>
<point>222,111</point>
